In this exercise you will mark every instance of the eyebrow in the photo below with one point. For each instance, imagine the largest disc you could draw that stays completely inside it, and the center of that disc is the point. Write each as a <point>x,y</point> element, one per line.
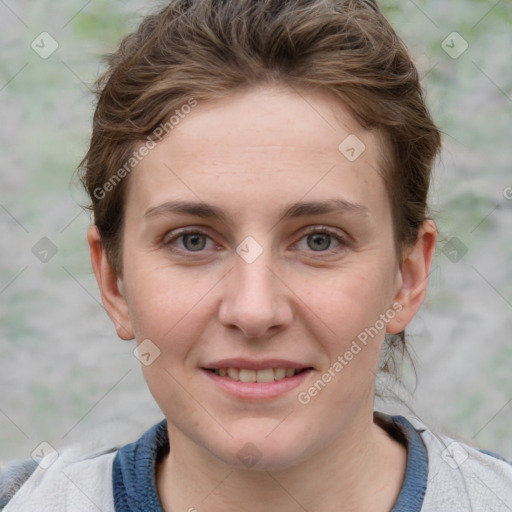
<point>295,210</point>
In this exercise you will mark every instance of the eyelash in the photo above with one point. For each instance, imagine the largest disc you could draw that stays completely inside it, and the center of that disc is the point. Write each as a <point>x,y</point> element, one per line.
<point>343,243</point>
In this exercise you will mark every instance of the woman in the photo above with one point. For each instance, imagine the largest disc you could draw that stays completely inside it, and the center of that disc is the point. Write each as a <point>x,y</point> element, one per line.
<point>258,172</point>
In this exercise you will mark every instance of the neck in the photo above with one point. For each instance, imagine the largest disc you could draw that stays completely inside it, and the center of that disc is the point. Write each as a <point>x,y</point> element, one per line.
<point>363,469</point>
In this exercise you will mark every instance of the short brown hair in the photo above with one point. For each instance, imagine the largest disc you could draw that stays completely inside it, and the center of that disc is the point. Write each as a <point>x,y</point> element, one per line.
<point>206,49</point>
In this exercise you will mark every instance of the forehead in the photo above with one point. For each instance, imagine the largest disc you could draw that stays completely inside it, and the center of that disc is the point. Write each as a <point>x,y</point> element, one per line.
<point>262,147</point>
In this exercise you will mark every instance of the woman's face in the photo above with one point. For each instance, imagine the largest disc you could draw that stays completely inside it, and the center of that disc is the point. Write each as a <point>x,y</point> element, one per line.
<point>290,263</point>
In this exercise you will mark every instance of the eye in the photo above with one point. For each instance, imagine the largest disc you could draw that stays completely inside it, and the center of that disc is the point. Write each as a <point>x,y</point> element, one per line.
<point>320,240</point>
<point>193,240</point>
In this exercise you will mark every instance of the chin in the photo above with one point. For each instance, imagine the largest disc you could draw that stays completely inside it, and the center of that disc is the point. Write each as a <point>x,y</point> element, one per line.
<point>250,458</point>
<point>261,451</point>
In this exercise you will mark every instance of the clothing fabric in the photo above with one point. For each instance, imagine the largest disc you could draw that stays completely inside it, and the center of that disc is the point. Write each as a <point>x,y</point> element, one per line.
<point>442,474</point>
<point>77,481</point>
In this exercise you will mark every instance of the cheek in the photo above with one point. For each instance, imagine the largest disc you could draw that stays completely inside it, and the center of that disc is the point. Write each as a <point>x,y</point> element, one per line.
<point>352,299</point>
<point>168,306</point>
<point>349,308</point>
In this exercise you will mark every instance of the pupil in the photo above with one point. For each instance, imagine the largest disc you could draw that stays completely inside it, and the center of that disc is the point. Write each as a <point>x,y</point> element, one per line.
<point>325,236</point>
<point>194,245</point>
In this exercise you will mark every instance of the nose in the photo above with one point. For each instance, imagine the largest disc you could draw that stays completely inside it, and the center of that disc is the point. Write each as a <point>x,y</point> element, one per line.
<point>255,299</point>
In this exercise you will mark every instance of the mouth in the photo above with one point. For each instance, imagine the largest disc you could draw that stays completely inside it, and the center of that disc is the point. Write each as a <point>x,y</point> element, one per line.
<point>264,375</point>
<point>245,379</point>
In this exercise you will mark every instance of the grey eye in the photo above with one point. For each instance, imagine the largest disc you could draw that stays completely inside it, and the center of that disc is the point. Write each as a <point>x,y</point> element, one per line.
<point>194,241</point>
<point>320,241</point>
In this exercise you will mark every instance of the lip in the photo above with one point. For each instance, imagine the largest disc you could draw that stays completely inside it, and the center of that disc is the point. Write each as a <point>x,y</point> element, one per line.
<point>257,390</point>
<point>252,364</point>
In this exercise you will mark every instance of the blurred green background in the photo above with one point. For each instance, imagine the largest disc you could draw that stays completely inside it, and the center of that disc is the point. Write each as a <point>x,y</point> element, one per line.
<point>65,375</point>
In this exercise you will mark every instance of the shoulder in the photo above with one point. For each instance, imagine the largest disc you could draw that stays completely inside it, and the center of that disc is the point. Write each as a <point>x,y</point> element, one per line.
<point>78,475</point>
<point>463,477</point>
<point>12,477</point>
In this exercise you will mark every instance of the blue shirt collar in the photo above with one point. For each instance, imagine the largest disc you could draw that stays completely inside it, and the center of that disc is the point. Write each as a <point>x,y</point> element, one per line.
<point>414,487</point>
<point>133,473</point>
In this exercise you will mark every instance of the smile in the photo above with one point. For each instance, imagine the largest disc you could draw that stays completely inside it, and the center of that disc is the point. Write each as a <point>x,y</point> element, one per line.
<point>257,384</point>
<point>264,375</point>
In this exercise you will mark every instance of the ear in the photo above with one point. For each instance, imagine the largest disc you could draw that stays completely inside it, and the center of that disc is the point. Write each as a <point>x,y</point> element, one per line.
<point>412,278</point>
<point>111,286</point>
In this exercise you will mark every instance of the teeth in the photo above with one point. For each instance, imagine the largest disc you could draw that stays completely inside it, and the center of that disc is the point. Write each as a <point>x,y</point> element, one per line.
<point>247,375</point>
<point>279,373</point>
<point>266,375</point>
<point>233,373</point>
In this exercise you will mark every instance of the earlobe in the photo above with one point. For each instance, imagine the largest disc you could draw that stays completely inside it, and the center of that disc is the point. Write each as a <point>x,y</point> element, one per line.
<point>111,286</point>
<point>413,278</point>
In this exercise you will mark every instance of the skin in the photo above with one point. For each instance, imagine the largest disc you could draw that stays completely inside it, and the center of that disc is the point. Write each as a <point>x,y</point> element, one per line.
<point>252,154</point>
